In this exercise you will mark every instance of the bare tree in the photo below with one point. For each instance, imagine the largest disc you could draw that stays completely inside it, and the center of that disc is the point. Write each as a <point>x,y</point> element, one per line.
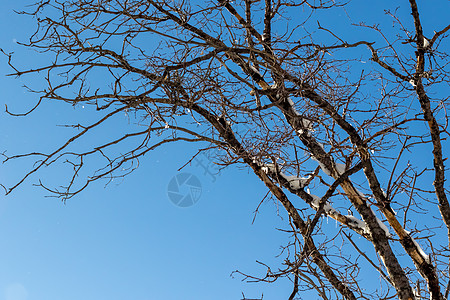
<point>330,124</point>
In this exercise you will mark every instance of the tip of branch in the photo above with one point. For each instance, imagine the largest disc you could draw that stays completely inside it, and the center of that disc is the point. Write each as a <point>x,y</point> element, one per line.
<point>6,190</point>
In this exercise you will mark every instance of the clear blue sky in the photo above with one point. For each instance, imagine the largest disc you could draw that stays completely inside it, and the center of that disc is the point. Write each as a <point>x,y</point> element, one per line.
<point>128,241</point>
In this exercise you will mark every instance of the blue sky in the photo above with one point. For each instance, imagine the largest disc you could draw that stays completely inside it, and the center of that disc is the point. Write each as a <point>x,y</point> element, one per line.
<point>128,241</point>
<point>125,241</point>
